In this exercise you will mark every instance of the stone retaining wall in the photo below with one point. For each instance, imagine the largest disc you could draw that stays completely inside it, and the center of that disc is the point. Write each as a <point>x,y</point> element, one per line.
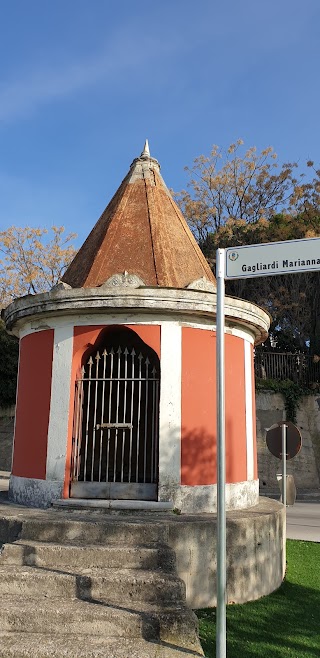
<point>256,554</point>
<point>6,437</point>
<point>305,467</point>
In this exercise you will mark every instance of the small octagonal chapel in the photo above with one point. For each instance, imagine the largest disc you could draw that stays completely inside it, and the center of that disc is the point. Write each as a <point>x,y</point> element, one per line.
<point>117,374</point>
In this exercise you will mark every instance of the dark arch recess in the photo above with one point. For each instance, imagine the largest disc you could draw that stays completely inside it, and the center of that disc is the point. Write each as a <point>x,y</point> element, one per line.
<point>120,336</point>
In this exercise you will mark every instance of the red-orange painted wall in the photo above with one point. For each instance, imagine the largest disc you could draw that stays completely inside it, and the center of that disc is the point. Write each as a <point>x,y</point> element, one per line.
<point>84,340</point>
<point>198,408</point>
<point>33,405</point>
<point>236,440</point>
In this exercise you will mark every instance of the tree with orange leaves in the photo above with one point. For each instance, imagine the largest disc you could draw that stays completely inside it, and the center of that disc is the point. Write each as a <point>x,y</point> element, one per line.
<point>230,185</point>
<point>32,260</point>
<point>237,198</point>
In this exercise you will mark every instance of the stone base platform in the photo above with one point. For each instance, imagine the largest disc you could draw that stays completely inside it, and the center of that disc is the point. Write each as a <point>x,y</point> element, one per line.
<point>255,542</point>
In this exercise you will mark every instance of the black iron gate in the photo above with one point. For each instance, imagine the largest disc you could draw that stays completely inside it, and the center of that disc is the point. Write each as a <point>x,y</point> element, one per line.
<point>115,434</point>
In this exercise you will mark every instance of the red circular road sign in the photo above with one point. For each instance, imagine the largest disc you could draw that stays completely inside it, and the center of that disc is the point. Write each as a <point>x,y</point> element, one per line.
<point>293,439</point>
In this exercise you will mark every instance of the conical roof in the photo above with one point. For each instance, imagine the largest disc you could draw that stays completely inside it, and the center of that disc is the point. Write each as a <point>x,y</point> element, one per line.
<point>142,232</point>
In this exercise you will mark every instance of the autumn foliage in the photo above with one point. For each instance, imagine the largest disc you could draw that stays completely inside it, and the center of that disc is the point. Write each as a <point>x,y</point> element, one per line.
<point>240,193</point>
<point>32,260</point>
<point>237,197</point>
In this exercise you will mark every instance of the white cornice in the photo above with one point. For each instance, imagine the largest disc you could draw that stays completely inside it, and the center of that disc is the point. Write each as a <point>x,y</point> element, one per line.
<point>173,302</point>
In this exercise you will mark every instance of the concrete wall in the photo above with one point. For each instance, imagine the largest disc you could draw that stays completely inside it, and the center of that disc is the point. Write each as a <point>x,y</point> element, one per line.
<point>305,467</point>
<point>255,553</point>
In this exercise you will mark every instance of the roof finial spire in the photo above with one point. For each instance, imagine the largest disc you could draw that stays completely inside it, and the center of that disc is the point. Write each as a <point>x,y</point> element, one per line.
<point>146,150</point>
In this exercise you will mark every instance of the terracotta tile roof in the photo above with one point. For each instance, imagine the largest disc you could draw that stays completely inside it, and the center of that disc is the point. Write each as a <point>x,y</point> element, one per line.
<point>142,232</point>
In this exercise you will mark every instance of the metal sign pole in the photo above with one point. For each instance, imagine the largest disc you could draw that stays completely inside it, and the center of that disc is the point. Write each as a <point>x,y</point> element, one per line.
<point>221,648</point>
<point>284,464</point>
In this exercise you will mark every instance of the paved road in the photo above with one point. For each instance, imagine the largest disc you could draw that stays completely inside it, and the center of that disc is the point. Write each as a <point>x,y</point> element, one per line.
<point>303,521</point>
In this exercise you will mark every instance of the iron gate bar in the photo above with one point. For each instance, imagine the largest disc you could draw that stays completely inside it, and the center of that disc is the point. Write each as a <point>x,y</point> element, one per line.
<point>126,352</point>
<point>97,357</point>
<point>104,354</point>
<point>112,457</point>
<point>110,398</point>
<point>133,353</point>
<point>117,418</point>
<point>139,412</point>
<point>145,423</point>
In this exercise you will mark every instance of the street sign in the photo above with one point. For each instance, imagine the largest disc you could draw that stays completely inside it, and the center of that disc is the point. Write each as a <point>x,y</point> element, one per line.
<point>254,260</point>
<point>293,439</point>
<point>273,258</point>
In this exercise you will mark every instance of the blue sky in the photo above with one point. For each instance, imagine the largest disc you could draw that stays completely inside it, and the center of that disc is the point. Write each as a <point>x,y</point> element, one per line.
<point>82,84</point>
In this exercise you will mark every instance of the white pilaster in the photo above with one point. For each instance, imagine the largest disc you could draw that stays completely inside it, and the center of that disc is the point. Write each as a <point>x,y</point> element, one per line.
<point>170,411</point>
<point>60,401</point>
<point>249,416</point>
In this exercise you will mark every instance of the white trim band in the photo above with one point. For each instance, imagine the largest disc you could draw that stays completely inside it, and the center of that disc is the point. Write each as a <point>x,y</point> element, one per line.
<point>60,403</point>
<point>203,498</point>
<point>170,410</point>
<point>142,300</point>
<point>33,492</point>
<point>190,500</point>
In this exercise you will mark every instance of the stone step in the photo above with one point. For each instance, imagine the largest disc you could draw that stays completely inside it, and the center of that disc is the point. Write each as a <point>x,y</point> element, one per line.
<point>72,616</point>
<point>108,585</point>
<point>124,532</point>
<point>58,597</point>
<point>48,554</point>
<point>36,645</point>
<point>94,618</point>
<point>102,505</point>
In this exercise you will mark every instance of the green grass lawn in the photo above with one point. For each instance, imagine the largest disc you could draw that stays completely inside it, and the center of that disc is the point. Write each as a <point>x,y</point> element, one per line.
<point>285,624</point>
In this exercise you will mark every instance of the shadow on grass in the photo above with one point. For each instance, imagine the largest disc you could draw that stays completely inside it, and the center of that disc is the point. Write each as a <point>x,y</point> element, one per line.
<point>283,624</point>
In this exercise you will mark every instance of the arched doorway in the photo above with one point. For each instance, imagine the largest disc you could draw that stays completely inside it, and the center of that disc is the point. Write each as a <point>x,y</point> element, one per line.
<point>116,420</point>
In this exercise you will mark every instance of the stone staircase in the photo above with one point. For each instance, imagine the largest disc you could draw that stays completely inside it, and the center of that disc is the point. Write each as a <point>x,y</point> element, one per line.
<point>91,587</point>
